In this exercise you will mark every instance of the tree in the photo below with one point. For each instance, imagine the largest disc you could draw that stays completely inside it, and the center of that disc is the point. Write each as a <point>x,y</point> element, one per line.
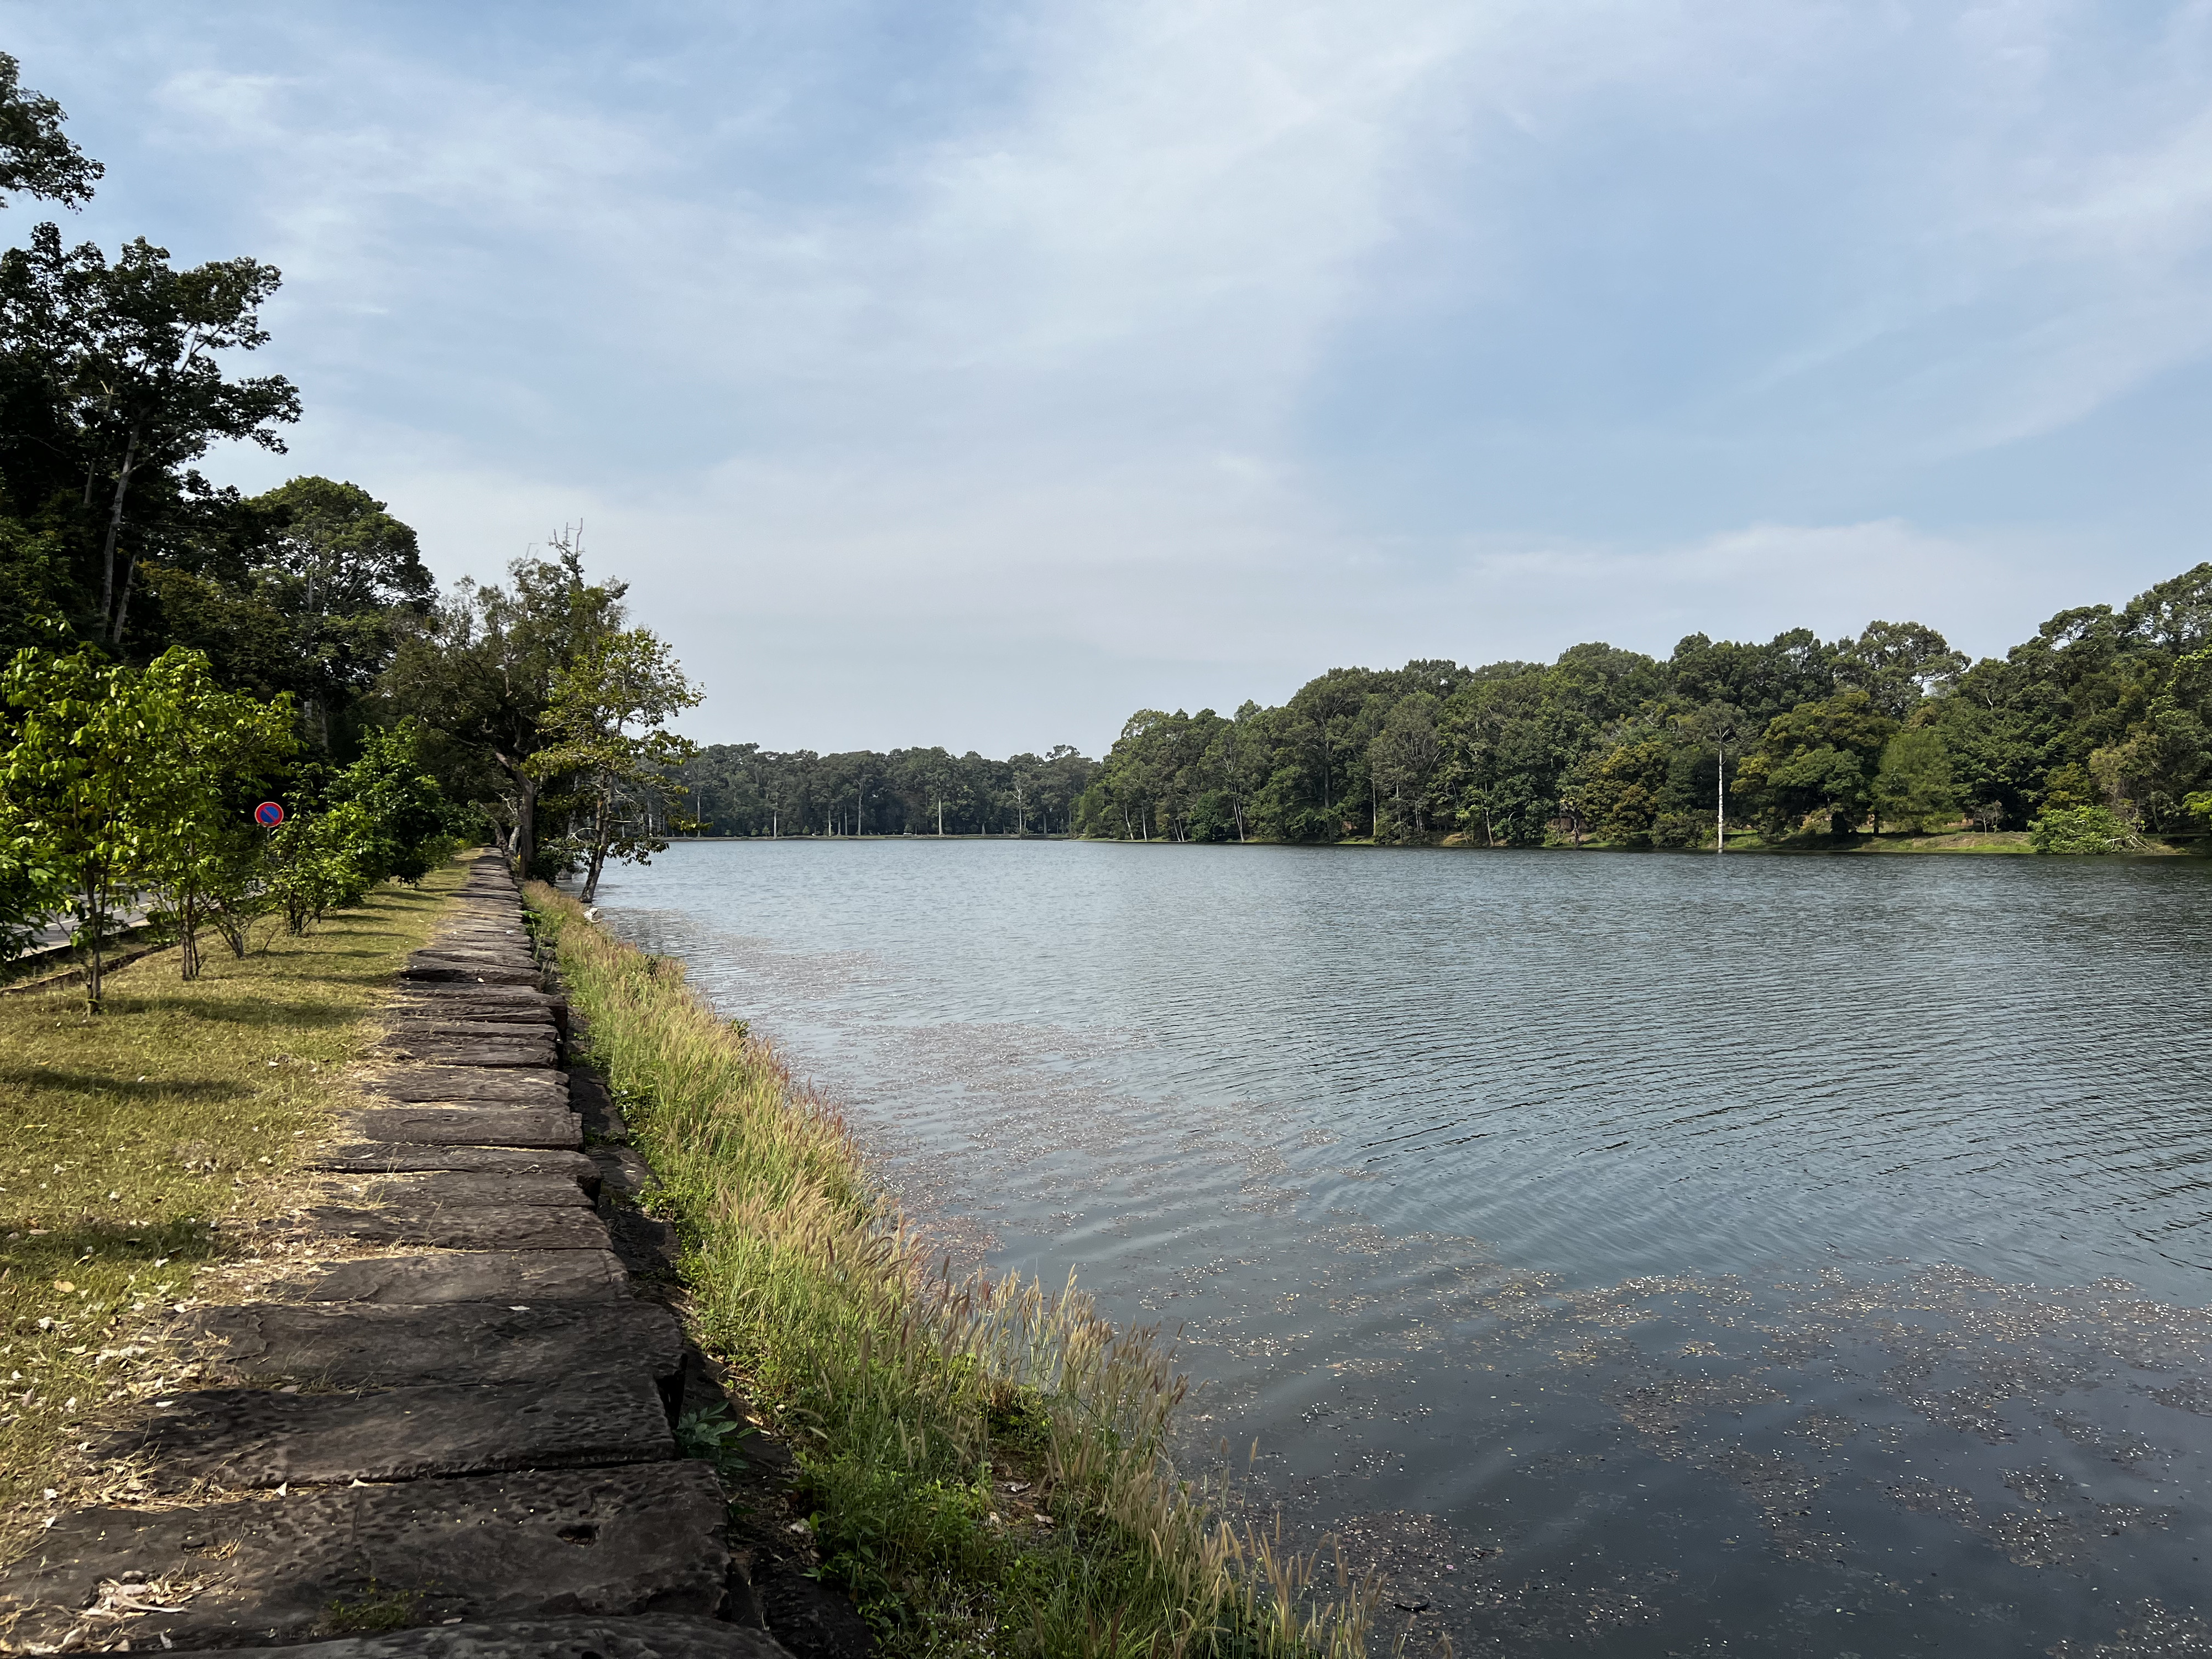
<point>617,682</point>
<point>410,820</point>
<point>2081,829</point>
<point>132,352</point>
<point>1914,787</point>
<point>481,667</point>
<point>71,785</point>
<point>1819,758</point>
<point>337,571</point>
<point>36,158</point>
<point>1403,760</point>
<point>1898,664</point>
<point>197,847</point>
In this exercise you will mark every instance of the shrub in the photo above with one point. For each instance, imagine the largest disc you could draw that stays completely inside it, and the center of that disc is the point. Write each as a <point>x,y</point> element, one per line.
<point>2083,829</point>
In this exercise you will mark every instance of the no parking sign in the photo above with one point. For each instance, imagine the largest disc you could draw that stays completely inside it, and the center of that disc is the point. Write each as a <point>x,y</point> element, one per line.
<point>269,815</point>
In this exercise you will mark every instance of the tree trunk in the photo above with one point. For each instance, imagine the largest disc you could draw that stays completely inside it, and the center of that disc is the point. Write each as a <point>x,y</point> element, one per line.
<point>115,526</point>
<point>123,608</point>
<point>598,859</point>
<point>526,822</point>
<point>91,916</point>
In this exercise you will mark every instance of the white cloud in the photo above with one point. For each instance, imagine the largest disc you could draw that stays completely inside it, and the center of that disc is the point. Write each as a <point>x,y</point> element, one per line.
<point>988,384</point>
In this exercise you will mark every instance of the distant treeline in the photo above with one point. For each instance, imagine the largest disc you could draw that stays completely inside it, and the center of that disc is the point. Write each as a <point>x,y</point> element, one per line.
<point>2101,723</point>
<point>742,789</point>
<point>2104,718</point>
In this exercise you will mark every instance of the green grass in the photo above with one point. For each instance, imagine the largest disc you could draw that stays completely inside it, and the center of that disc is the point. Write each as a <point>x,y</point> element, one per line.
<point>125,1134</point>
<point>912,1400</point>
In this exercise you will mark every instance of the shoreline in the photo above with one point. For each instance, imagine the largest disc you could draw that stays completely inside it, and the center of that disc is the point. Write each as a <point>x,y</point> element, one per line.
<point>2006,843</point>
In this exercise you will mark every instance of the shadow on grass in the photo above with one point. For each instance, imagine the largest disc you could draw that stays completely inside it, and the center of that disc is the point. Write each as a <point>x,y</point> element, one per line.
<point>240,1008</point>
<point>42,1255</point>
<point>52,1077</point>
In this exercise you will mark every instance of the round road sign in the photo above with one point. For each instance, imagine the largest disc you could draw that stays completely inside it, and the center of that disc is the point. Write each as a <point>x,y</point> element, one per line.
<point>269,815</point>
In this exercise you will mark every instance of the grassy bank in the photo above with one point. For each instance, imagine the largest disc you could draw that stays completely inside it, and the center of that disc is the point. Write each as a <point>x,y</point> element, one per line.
<point>985,1461</point>
<point>123,1136</point>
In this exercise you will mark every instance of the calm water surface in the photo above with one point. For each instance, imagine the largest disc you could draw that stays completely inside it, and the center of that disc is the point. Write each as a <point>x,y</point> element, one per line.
<point>1631,1255</point>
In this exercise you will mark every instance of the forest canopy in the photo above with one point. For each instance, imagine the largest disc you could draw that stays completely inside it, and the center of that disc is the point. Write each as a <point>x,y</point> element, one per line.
<point>2099,728</point>
<point>2104,712</point>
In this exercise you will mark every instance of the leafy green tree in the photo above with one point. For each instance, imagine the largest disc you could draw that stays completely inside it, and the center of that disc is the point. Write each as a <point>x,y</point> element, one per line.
<point>307,588</point>
<point>1914,788</point>
<point>1623,790</point>
<point>1402,759</point>
<point>606,719</point>
<point>134,352</point>
<point>197,848</point>
<point>1819,759</point>
<point>481,669</point>
<point>1898,665</point>
<point>412,820</point>
<point>71,785</point>
<point>320,861</point>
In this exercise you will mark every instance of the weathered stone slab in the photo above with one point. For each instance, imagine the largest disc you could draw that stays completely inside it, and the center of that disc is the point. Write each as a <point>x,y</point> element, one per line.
<point>468,973</point>
<point>239,1437</point>
<point>505,1277</point>
<point>452,1342</point>
<point>520,1051</point>
<point>442,991</point>
<point>390,1157</point>
<point>467,1227</point>
<point>521,1026</point>
<point>460,1083</point>
<point>465,1188</point>
<point>480,962</point>
<point>466,1004</point>
<point>464,1125</point>
<point>654,1635</point>
<point>646,1538</point>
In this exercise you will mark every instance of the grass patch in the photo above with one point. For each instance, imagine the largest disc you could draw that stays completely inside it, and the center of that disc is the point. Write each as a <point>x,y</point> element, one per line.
<point>916,1404</point>
<point>125,1134</point>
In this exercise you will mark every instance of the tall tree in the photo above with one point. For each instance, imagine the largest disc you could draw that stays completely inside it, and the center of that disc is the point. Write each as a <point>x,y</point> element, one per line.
<point>135,353</point>
<point>482,666</point>
<point>606,720</point>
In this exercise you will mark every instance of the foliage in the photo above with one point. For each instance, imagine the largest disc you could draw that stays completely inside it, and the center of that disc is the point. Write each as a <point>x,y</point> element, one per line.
<point>479,669</point>
<point>72,789</point>
<point>206,753</point>
<point>411,825</point>
<point>906,1393</point>
<point>1892,729</point>
<point>615,682</point>
<point>36,158</point>
<point>1914,789</point>
<point>742,789</point>
<point>2081,829</point>
<point>321,861</point>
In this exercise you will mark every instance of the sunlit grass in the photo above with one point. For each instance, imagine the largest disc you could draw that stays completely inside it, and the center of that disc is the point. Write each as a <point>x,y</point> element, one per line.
<point>125,1134</point>
<point>915,1402</point>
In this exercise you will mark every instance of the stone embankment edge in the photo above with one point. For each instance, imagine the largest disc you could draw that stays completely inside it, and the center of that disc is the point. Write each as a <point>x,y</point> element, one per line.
<point>443,1422</point>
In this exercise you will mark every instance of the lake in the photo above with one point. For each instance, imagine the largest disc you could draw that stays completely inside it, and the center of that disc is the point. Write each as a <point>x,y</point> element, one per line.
<point>1629,1255</point>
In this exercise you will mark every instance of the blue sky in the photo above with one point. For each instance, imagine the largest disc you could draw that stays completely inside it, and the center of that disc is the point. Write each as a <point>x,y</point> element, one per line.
<point>977,374</point>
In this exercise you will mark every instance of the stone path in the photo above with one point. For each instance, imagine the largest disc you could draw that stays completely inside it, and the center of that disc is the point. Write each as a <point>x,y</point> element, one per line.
<point>450,1432</point>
